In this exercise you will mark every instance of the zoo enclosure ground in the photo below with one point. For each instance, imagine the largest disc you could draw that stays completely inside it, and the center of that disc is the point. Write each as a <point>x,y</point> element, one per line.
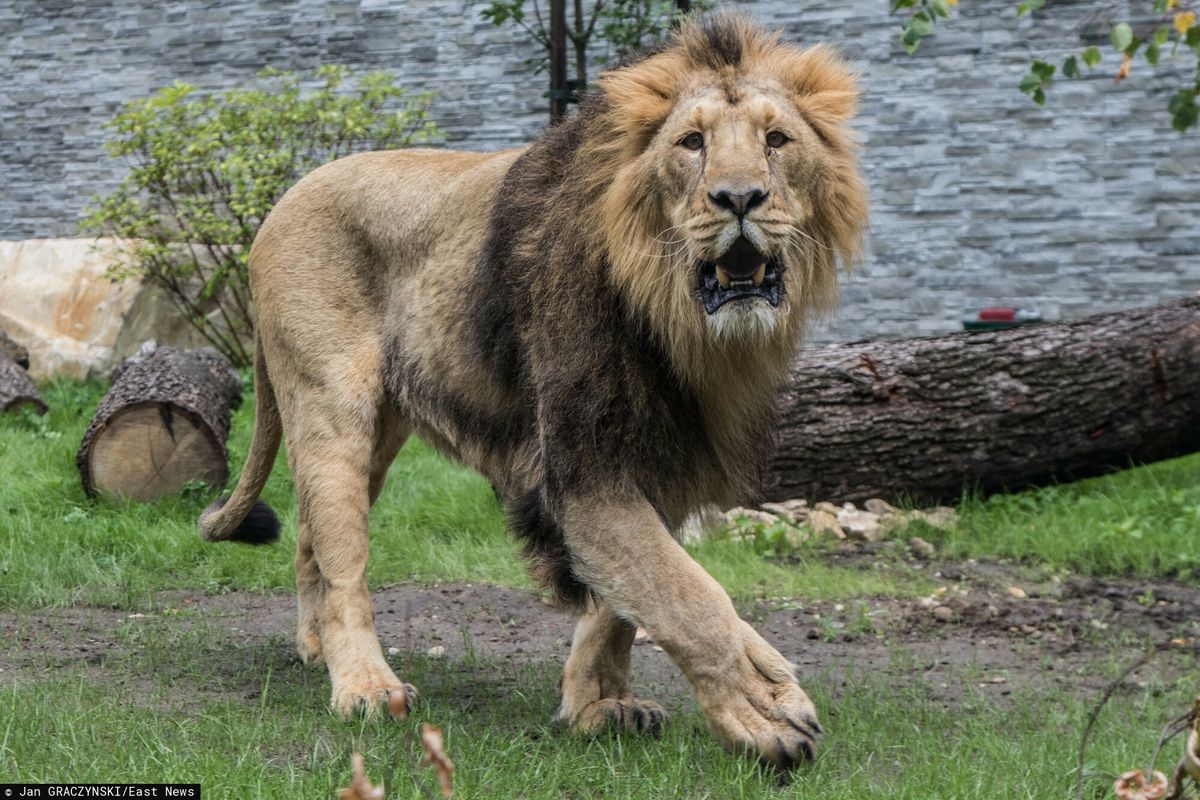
<point>131,651</point>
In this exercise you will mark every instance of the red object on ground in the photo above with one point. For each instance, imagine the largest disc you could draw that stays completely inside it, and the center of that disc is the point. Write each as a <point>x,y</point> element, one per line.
<point>998,314</point>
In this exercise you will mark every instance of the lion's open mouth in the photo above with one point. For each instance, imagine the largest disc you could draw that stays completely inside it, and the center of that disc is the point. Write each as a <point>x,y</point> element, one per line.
<point>741,273</point>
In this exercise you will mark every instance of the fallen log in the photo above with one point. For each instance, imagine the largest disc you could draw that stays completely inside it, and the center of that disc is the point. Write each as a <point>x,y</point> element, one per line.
<point>17,390</point>
<point>162,425</point>
<point>1003,410</point>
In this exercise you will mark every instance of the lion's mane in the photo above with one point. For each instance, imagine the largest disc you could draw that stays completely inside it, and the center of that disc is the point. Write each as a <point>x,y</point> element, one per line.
<point>587,308</point>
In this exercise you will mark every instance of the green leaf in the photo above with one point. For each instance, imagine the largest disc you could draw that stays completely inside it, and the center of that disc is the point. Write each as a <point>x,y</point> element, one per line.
<point>1152,53</point>
<point>899,4</point>
<point>940,7</point>
<point>1091,56</point>
<point>1122,36</point>
<point>1028,6</point>
<point>1162,34</point>
<point>922,23</point>
<point>1044,71</point>
<point>1039,97</point>
<point>1070,67</point>
<point>1022,9</point>
<point>1030,83</point>
<point>1193,37</point>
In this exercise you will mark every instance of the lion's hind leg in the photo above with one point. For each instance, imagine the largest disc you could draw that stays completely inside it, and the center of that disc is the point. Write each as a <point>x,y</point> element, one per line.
<point>597,691</point>
<point>331,450</point>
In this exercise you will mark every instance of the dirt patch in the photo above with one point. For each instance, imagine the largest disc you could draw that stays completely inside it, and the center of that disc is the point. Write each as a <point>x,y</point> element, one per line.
<point>990,629</point>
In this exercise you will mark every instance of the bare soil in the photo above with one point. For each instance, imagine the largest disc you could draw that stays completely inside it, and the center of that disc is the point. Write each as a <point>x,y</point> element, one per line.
<point>978,634</point>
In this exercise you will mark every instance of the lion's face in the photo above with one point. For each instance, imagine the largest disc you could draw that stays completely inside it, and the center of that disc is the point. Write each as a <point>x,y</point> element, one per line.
<point>737,166</point>
<point>736,192</point>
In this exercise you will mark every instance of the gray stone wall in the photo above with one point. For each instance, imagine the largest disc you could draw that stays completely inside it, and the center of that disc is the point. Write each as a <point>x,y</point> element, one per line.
<point>979,197</point>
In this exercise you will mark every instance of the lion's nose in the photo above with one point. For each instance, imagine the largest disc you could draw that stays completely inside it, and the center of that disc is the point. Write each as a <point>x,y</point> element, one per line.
<point>739,203</point>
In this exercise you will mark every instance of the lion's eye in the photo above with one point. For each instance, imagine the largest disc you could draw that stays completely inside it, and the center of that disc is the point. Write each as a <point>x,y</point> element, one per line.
<point>693,141</point>
<point>777,139</point>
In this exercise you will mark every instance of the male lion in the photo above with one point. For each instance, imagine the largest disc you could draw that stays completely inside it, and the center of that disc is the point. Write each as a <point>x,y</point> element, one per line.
<point>599,323</point>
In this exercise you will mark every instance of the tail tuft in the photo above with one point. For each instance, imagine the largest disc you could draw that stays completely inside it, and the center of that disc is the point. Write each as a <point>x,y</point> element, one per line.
<point>260,526</point>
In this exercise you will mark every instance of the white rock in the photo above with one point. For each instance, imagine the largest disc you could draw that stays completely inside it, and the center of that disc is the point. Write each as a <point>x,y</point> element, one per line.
<point>860,524</point>
<point>56,300</point>
<point>437,651</point>
<point>823,522</point>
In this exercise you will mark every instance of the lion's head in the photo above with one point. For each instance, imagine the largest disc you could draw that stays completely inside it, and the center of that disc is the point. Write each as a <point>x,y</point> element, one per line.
<point>727,186</point>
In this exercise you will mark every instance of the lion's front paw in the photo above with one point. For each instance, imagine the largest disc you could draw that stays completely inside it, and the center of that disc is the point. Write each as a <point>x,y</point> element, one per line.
<point>630,714</point>
<point>761,708</point>
<point>370,689</point>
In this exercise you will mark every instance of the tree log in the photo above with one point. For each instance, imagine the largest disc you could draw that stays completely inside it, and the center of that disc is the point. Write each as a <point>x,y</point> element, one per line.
<point>926,418</point>
<point>162,425</point>
<point>17,352</point>
<point>17,389</point>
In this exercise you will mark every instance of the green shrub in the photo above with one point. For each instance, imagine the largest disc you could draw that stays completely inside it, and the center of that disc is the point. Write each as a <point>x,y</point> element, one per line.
<point>206,169</point>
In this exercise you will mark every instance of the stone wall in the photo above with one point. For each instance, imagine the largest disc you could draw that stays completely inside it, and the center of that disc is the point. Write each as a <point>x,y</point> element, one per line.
<point>979,197</point>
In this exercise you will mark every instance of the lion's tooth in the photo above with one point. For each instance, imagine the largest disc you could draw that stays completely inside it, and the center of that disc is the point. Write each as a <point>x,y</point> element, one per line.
<point>761,274</point>
<point>723,278</point>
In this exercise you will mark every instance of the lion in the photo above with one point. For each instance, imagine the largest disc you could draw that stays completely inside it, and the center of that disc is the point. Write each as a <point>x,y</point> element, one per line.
<point>599,323</point>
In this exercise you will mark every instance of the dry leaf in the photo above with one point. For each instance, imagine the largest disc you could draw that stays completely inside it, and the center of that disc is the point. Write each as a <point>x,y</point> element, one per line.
<point>431,740</point>
<point>1132,786</point>
<point>1126,65</point>
<point>360,788</point>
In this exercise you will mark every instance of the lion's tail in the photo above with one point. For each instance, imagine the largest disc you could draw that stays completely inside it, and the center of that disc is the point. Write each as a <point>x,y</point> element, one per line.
<point>242,517</point>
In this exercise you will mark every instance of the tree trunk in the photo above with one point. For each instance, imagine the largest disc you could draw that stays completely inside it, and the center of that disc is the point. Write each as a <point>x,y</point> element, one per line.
<point>926,418</point>
<point>16,387</point>
<point>13,350</point>
<point>162,425</point>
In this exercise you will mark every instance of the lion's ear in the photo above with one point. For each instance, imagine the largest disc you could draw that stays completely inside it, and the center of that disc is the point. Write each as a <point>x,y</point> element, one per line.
<point>821,82</point>
<point>641,96</point>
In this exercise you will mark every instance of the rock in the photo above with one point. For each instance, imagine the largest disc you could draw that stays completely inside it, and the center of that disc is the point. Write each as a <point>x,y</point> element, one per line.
<point>56,299</point>
<point>751,515</point>
<point>862,525</point>
<point>788,511</point>
<point>944,614</point>
<point>921,548</point>
<point>827,507</point>
<point>393,651</point>
<point>437,651</point>
<point>942,517</point>
<point>880,507</point>
<point>703,524</point>
<point>1016,592</point>
<point>823,522</point>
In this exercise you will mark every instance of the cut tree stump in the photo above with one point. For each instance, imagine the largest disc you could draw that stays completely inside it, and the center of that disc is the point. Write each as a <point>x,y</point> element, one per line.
<point>162,425</point>
<point>925,418</point>
<point>17,389</point>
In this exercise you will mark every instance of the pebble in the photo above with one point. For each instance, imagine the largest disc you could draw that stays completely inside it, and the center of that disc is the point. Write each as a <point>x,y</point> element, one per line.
<point>437,651</point>
<point>393,651</point>
<point>944,613</point>
<point>921,548</point>
<point>1017,592</point>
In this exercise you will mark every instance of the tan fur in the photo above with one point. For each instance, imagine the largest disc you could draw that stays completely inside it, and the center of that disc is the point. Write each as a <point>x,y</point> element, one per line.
<point>364,261</point>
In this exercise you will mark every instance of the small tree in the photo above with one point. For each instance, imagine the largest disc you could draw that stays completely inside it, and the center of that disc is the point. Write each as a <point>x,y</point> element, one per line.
<point>206,169</point>
<point>1160,29</point>
<point>599,29</point>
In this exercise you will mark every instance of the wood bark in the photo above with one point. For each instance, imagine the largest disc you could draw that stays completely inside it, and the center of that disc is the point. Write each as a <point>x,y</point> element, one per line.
<point>17,389</point>
<point>163,424</point>
<point>1003,410</point>
<point>17,352</point>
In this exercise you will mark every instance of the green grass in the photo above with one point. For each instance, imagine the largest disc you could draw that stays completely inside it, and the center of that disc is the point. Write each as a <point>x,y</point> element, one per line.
<point>435,521</point>
<point>439,522</point>
<point>192,704</point>
<point>1143,521</point>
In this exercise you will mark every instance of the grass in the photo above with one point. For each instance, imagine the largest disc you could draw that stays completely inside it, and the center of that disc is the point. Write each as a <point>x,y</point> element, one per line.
<point>194,704</point>
<point>435,521</point>
<point>185,700</point>
<point>439,522</point>
<point>1142,521</point>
